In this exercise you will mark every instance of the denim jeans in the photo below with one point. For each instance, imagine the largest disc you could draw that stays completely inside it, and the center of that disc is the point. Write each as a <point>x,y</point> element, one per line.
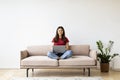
<point>67,54</point>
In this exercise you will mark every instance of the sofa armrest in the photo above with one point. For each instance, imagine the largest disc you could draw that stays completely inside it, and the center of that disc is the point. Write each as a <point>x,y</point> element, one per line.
<point>24,54</point>
<point>93,54</point>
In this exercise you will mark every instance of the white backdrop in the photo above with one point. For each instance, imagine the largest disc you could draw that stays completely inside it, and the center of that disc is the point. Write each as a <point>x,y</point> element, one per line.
<point>34,22</point>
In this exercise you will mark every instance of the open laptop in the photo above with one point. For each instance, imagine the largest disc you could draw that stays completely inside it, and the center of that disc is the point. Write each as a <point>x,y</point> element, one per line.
<point>59,49</point>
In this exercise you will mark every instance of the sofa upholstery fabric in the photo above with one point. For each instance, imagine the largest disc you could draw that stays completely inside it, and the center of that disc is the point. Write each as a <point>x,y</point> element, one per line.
<point>80,49</point>
<point>39,60</point>
<point>77,61</point>
<point>39,50</point>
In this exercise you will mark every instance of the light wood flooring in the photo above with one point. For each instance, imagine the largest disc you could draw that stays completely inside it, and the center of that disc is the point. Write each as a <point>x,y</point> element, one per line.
<point>7,74</point>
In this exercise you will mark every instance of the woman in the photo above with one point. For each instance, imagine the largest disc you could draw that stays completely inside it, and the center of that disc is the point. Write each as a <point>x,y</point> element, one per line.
<point>60,39</point>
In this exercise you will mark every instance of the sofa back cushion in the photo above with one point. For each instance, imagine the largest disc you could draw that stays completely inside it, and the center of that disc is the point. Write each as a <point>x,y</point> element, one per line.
<point>80,49</point>
<point>43,49</point>
<point>39,50</point>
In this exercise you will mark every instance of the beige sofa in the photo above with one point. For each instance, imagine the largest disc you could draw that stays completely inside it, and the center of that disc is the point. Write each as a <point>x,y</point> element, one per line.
<point>35,57</point>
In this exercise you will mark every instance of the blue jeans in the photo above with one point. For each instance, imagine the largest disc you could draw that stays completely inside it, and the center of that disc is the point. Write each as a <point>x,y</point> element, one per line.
<point>65,55</point>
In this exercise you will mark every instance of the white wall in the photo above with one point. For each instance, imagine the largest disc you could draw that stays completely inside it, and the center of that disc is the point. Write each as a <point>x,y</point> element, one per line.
<point>33,22</point>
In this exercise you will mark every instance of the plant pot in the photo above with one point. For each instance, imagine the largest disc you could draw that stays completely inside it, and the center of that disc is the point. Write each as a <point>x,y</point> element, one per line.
<point>104,67</point>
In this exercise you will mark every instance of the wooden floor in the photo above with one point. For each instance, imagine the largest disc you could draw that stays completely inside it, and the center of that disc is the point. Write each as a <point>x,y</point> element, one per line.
<point>7,74</point>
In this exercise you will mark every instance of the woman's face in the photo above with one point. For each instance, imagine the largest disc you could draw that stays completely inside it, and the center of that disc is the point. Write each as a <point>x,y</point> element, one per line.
<point>60,31</point>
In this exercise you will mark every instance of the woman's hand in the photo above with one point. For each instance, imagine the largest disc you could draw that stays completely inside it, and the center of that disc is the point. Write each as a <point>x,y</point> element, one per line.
<point>67,46</point>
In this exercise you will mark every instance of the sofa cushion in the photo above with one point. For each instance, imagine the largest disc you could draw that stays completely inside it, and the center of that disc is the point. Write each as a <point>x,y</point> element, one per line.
<point>39,50</point>
<point>77,61</point>
<point>80,49</point>
<point>39,61</point>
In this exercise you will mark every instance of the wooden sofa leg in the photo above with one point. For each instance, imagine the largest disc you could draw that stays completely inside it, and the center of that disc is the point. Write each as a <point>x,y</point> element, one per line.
<point>27,71</point>
<point>88,71</point>
<point>83,71</point>
<point>32,71</point>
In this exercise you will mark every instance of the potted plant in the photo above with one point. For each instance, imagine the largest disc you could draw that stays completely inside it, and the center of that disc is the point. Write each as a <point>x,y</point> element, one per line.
<point>104,55</point>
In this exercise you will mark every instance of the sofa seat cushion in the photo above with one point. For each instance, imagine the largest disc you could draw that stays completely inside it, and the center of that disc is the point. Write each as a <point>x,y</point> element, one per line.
<point>77,61</point>
<point>39,61</point>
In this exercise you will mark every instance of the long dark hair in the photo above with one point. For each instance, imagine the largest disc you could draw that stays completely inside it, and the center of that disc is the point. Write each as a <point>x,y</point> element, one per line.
<point>57,35</point>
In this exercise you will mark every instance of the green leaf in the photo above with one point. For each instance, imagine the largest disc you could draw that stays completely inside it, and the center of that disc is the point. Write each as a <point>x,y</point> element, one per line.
<point>104,56</point>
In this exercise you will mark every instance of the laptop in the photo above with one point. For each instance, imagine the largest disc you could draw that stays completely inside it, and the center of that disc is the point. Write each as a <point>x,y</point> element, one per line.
<point>59,49</point>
